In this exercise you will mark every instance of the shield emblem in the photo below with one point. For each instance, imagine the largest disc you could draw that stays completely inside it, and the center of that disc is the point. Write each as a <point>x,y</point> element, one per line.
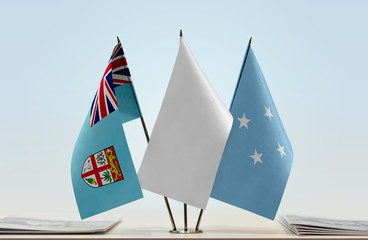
<point>102,168</point>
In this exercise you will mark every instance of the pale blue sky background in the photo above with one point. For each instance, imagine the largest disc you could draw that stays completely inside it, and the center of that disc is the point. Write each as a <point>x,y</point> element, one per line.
<point>313,55</point>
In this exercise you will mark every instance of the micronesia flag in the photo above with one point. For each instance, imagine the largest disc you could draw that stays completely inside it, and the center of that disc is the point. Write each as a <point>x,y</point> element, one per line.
<point>257,159</point>
<point>102,170</point>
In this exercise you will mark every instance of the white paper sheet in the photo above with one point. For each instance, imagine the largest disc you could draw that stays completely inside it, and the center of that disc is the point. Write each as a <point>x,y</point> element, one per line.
<point>44,226</point>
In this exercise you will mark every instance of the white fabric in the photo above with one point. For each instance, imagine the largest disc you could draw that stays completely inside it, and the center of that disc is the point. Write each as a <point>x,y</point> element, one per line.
<point>188,138</point>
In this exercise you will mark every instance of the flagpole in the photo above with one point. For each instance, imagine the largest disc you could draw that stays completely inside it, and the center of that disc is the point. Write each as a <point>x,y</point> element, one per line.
<point>148,138</point>
<point>241,72</point>
<point>199,220</point>
<point>185,205</point>
<point>185,218</point>
<point>165,198</point>
<point>170,213</point>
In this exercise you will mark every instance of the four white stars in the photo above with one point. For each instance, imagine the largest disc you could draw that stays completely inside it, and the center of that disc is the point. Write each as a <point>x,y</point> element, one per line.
<point>244,121</point>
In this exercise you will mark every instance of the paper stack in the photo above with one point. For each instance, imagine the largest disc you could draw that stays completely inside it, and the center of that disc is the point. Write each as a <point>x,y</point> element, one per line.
<point>11,225</point>
<point>321,226</point>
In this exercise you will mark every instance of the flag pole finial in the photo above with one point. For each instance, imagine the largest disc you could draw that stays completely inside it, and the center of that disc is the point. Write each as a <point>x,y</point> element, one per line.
<point>250,41</point>
<point>118,39</point>
<point>181,33</point>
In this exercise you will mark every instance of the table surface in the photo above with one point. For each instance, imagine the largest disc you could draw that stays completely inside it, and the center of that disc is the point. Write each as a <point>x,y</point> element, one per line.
<point>217,226</point>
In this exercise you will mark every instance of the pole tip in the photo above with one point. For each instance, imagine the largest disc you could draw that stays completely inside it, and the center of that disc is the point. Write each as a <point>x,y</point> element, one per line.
<point>118,39</point>
<point>181,33</point>
<point>250,41</point>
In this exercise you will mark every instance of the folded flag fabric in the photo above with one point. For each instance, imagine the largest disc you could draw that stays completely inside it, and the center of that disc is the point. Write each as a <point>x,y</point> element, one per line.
<point>188,138</point>
<point>257,159</point>
<point>102,170</point>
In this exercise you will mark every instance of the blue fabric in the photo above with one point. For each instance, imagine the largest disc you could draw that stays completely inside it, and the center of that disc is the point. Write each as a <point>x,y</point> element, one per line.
<point>107,132</point>
<point>127,102</point>
<point>241,180</point>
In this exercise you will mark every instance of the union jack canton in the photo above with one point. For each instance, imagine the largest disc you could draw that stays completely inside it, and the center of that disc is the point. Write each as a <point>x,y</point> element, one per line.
<point>117,73</point>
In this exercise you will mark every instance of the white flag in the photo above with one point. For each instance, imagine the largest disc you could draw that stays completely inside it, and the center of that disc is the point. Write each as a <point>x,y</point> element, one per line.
<point>188,138</point>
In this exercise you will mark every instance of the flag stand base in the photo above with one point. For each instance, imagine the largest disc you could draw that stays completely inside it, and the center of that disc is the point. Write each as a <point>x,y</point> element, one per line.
<point>186,230</point>
<point>182,231</point>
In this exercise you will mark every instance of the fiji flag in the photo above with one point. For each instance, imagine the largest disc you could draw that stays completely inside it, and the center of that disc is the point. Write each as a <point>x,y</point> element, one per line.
<point>257,159</point>
<point>103,173</point>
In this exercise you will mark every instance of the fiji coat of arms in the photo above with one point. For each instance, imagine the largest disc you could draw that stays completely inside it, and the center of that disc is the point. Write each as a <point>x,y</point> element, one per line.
<point>102,168</point>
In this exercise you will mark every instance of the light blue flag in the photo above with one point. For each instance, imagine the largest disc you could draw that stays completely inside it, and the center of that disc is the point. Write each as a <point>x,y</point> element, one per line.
<point>102,170</point>
<point>257,159</point>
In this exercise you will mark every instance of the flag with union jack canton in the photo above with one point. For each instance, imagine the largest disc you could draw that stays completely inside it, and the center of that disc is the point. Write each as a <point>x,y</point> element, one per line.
<point>102,169</point>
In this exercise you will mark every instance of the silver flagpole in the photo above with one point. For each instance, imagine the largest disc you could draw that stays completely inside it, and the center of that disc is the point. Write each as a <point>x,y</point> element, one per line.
<point>201,212</point>
<point>185,205</point>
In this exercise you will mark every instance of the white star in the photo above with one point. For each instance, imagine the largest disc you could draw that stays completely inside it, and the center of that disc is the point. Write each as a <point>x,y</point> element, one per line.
<point>244,121</point>
<point>268,112</point>
<point>281,150</point>
<point>257,157</point>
